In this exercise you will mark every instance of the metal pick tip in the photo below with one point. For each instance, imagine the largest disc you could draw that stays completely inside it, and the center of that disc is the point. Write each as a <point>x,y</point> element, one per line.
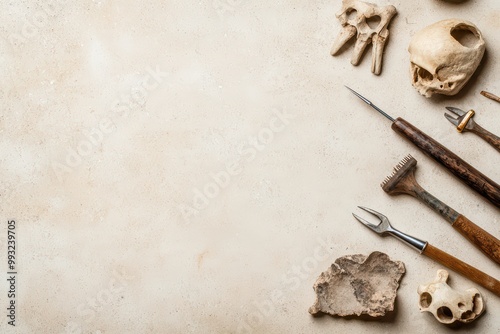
<point>358,95</point>
<point>365,100</point>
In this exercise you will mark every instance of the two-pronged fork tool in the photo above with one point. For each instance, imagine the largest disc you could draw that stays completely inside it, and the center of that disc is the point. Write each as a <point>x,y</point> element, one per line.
<point>464,122</point>
<point>402,181</point>
<point>461,169</point>
<point>432,252</point>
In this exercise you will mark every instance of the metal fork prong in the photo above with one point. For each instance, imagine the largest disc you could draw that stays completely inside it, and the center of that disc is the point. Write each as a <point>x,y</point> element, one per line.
<point>452,119</point>
<point>373,212</point>
<point>456,111</point>
<point>366,223</point>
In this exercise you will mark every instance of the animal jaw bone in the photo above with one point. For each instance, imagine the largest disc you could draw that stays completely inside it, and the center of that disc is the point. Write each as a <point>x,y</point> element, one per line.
<point>449,305</point>
<point>359,23</point>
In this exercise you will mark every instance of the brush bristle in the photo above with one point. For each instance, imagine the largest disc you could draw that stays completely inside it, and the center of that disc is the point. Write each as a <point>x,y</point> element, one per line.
<point>397,168</point>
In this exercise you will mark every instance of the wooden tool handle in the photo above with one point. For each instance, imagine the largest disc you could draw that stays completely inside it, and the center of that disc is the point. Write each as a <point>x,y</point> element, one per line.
<point>479,237</point>
<point>463,268</point>
<point>475,234</point>
<point>492,139</point>
<point>471,176</point>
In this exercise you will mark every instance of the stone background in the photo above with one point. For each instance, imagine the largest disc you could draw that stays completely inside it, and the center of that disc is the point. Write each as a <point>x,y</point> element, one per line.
<point>117,117</point>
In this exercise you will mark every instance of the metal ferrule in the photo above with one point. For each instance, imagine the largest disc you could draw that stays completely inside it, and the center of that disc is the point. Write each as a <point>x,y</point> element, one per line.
<point>444,210</point>
<point>413,242</point>
<point>463,123</point>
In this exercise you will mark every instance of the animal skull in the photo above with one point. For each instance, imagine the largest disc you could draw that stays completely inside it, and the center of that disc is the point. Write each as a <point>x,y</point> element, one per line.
<point>444,55</point>
<point>356,16</point>
<point>449,305</point>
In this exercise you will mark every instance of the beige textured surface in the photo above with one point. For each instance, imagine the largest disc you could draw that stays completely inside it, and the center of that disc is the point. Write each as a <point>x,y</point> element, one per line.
<point>175,93</point>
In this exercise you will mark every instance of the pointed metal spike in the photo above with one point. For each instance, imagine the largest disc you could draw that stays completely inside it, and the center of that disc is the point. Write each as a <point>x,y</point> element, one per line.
<point>359,95</point>
<point>371,104</point>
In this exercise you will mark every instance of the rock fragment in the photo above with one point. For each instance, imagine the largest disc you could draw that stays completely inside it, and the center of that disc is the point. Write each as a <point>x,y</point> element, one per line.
<point>358,284</point>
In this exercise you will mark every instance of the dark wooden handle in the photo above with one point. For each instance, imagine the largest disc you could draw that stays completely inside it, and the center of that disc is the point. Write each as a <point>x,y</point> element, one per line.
<point>463,268</point>
<point>468,174</point>
<point>492,139</point>
<point>479,237</point>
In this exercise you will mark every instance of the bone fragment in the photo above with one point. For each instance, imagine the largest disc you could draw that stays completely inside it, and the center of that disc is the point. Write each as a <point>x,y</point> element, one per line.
<point>370,23</point>
<point>449,305</point>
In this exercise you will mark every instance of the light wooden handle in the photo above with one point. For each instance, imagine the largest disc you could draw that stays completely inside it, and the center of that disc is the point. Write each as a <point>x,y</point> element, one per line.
<point>479,237</point>
<point>463,268</point>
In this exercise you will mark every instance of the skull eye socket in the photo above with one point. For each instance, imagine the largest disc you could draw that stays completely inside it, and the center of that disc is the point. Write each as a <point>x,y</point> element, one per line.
<point>444,314</point>
<point>425,299</point>
<point>424,74</point>
<point>465,35</point>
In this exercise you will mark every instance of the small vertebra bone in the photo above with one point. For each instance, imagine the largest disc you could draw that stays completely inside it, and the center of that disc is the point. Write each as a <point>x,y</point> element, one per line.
<point>359,22</point>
